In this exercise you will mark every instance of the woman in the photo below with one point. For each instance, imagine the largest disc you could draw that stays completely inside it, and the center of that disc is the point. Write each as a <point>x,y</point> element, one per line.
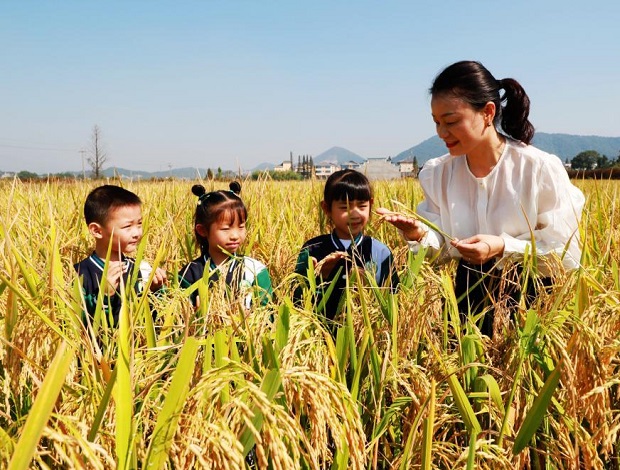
<point>492,192</point>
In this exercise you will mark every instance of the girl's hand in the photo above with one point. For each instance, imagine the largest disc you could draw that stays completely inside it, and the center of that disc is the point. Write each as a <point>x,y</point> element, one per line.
<point>159,279</point>
<point>479,248</point>
<point>327,264</point>
<point>411,228</point>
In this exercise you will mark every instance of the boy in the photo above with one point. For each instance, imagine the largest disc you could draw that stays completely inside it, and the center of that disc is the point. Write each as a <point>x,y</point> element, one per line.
<point>114,216</point>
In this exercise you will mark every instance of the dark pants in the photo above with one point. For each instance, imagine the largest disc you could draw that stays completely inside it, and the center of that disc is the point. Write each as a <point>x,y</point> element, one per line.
<point>479,287</point>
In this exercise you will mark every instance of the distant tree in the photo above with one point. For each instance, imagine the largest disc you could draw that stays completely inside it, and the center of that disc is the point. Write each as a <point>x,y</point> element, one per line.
<point>65,175</point>
<point>97,156</point>
<point>586,160</point>
<point>27,175</point>
<point>219,172</point>
<point>276,175</point>
<point>603,162</point>
<point>415,166</point>
<point>209,174</point>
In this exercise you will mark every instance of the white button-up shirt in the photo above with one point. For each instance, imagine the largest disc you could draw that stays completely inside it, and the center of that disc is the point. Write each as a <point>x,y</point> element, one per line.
<point>527,193</point>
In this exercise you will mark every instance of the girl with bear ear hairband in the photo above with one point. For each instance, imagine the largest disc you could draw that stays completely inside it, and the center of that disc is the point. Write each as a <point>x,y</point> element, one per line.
<point>220,231</point>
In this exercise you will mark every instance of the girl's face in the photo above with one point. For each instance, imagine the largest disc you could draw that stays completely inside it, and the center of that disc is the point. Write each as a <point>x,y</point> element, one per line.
<point>225,235</point>
<point>459,125</point>
<point>349,217</point>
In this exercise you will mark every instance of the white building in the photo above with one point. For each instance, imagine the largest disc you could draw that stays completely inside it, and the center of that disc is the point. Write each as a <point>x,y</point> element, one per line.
<point>380,169</point>
<point>350,165</point>
<point>407,168</point>
<point>286,165</point>
<point>324,169</point>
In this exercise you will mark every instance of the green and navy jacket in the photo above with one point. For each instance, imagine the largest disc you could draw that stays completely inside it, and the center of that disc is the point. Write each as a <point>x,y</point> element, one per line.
<point>365,252</point>
<point>246,277</point>
<point>90,271</point>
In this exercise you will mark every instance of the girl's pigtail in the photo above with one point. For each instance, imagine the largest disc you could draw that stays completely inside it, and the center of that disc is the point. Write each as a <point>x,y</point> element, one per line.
<point>201,211</point>
<point>199,190</point>
<point>235,187</point>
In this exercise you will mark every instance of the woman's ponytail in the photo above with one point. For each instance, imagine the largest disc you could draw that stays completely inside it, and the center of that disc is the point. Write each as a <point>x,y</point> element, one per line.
<point>515,111</point>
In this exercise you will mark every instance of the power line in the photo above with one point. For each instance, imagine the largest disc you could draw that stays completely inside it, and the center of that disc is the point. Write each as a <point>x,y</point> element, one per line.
<point>38,148</point>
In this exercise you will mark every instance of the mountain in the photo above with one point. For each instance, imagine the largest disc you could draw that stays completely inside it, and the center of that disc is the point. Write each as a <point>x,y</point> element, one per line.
<point>565,146</point>
<point>264,167</point>
<point>429,148</point>
<point>184,173</point>
<point>337,155</point>
<point>187,173</point>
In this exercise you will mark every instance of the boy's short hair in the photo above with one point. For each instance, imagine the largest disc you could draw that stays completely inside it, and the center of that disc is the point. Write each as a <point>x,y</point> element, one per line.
<point>100,201</point>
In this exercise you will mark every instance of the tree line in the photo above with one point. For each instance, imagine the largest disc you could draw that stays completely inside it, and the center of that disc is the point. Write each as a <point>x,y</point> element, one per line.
<point>588,163</point>
<point>591,159</point>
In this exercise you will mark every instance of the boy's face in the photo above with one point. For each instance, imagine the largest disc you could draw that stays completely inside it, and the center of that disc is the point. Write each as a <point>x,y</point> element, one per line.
<point>123,227</point>
<point>349,217</point>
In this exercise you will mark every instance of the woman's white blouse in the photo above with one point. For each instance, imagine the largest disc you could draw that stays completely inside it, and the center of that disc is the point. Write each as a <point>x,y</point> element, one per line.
<point>527,192</point>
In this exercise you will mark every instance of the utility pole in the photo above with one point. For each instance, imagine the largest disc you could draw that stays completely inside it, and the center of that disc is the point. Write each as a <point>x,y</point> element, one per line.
<point>82,153</point>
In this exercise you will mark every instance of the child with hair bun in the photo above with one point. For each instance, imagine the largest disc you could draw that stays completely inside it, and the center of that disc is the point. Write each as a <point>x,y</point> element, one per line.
<point>347,201</point>
<point>219,227</point>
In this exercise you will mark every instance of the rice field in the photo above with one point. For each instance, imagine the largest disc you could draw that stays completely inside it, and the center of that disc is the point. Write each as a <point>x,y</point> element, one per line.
<point>401,385</point>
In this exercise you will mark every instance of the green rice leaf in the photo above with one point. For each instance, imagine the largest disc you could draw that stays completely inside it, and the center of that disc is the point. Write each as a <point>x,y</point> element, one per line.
<point>168,417</point>
<point>42,407</point>
<point>536,414</point>
<point>427,435</point>
<point>492,387</point>
<point>272,382</point>
<point>124,395</point>
<point>103,406</point>
<point>462,403</point>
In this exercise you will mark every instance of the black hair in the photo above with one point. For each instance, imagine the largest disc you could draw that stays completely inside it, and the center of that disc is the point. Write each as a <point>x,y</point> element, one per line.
<point>347,185</point>
<point>216,205</point>
<point>103,199</point>
<point>473,83</point>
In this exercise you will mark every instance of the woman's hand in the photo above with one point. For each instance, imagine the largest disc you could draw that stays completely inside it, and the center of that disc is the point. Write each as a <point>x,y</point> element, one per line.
<point>479,248</point>
<point>411,228</point>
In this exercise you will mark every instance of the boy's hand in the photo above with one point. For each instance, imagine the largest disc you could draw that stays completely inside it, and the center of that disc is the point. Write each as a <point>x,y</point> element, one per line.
<point>115,271</point>
<point>159,279</point>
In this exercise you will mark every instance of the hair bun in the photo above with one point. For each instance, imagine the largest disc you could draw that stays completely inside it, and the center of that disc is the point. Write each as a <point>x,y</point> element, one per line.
<point>198,190</point>
<point>235,187</point>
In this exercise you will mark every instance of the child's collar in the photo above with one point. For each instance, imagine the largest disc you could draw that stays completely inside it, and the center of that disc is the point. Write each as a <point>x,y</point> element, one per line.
<point>231,260</point>
<point>354,242</point>
<point>100,262</point>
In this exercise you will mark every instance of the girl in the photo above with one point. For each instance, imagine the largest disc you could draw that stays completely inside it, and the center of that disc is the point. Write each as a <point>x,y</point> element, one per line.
<point>492,192</point>
<point>219,227</point>
<point>347,201</point>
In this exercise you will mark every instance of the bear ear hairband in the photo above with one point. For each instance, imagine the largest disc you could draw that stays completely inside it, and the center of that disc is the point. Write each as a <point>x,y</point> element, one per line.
<point>235,187</point>
<point>203,197</point>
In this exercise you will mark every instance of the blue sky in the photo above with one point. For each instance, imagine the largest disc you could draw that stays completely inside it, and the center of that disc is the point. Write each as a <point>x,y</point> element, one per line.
<point>236,83</point>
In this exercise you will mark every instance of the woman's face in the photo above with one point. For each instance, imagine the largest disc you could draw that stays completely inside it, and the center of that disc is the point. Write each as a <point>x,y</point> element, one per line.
<point>459,125</point>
